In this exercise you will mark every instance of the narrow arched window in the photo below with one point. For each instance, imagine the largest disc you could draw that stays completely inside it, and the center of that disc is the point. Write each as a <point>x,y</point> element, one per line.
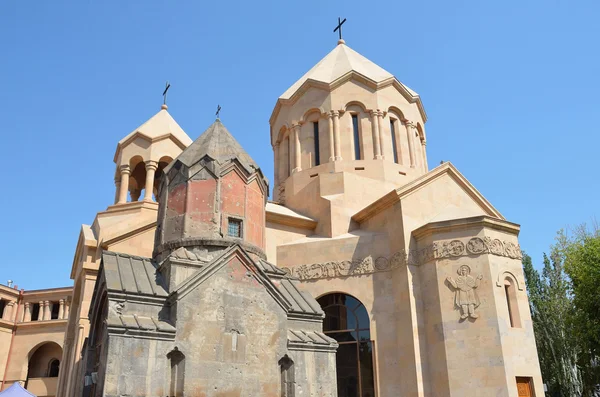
<point>288,381</point>
<point>356,136</point>
<point>53,368</point>
<point>511,303</point>
<point>316,138</point>
<point>176,382</point>
<point>394,146</point>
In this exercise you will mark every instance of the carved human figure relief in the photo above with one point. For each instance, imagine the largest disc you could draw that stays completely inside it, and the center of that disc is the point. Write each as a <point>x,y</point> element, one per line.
<point>465,294</point>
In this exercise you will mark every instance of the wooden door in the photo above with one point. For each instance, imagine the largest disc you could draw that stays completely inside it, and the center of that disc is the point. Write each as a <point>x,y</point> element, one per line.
<point>524,387</point>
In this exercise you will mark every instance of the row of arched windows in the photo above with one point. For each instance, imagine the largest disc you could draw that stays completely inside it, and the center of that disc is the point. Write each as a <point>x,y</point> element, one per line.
<point>399,140</point>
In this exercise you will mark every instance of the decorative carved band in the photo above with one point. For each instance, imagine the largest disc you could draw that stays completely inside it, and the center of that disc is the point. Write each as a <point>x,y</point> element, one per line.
<point>438,250</point>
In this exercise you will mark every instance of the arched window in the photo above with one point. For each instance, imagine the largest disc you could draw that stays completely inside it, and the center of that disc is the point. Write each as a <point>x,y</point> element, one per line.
<point>394,142</point>
<point>288,381</point>
<point>177,362</point>
<point>356,136</point>
<point>316,139</point>
<point>53,368</point>
<point>347,321</point>
<point>511,303</point>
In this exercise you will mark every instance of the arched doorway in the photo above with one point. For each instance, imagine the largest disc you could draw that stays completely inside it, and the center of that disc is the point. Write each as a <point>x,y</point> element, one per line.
<point>347,321</point>
<point>43,368</point>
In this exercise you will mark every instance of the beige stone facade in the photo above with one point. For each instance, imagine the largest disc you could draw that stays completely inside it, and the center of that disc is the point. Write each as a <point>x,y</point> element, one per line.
<point>426,265</point>
<point>32,329</point>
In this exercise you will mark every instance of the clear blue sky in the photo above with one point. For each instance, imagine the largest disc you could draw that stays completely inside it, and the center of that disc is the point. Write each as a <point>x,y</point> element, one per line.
<point>511,89</point>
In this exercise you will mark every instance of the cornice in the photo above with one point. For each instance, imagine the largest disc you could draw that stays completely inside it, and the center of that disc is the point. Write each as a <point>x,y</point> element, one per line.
<point>42,324</point>
<point>351,75</point>
<point>288,220</point>
<point>139,134</point>
<point>466,223</point>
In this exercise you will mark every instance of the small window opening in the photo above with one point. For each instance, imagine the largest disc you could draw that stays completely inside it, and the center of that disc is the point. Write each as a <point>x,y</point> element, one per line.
<point>511,303</point>
<point>176,383</point>
<point>234,228</point>
<point>394,148</point>
<point>356,135</point>
<point>2,307</point>
<point>316,137</point>
<point>53,368</point>
<point>54,313</point>
<point>35,312</point>
<point>288,382</point>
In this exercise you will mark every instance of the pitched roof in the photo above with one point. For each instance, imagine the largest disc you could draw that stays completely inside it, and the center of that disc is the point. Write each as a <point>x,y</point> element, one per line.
<point>340,61</point>
<point>132,274</point>
<point>279,284</point>
<point>218,143</point>
<point>159,125</point>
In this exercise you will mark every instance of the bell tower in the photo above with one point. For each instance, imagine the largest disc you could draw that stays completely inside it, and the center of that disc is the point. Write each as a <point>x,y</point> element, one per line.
<point>345,134</point>
<point>142,155</point>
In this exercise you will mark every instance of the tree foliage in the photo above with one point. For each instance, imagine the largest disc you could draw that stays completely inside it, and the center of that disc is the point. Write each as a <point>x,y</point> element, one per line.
<point>564,300</point>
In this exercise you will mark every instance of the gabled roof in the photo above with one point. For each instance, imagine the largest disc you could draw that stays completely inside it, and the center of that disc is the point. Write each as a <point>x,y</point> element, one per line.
<point>132,275</point>
<point>158,126</point>
<point>398,194</point>
<point>278,284</point>
<point>341,60</point>
<point>217,143</point>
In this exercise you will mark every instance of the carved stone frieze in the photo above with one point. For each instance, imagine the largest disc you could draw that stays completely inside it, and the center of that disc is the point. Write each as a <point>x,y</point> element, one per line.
<point>437,250</point>
<point>347,268</point>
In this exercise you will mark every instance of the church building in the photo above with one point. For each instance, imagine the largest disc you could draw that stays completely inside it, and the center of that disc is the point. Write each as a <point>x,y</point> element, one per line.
<point>368,274</point>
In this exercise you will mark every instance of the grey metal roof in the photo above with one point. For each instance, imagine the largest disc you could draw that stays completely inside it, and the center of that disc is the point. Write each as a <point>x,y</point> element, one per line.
<point>218,143</point>
<point>132,274</point>
<point>269,268</point>
<point>317,338</point>
<point>143,323</point>
<point>302,302</point>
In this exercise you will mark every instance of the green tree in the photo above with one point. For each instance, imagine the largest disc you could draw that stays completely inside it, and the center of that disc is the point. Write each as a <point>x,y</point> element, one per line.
<point>551,312</point>
<point>581,252</point>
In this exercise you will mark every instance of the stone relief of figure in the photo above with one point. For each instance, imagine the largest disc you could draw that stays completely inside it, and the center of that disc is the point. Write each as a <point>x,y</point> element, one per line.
<point>465,296</point>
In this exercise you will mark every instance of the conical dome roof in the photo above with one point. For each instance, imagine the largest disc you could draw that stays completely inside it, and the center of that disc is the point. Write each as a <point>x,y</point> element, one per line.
<point>338,63</point>
<point>218,143</point>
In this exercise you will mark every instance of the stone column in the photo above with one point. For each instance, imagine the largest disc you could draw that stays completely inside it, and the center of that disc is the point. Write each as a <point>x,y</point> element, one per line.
<point>410,132</point>
<point>380,130</point>
<point>117,183</point>
<point>276,165</point>
<point>290,152</point>
<point>425,166</point>
<point>297,149</point>
<point>47,310</point>
<point>61,308</point>
<point>8,311</point>
<point>375,133</point>
<point>151,167</point>
<point>41,311</point>
<point>27,312</point>
<point>123,190</point>
<point>336,134</point>
<point>67,308</point>
<point>331,139</point>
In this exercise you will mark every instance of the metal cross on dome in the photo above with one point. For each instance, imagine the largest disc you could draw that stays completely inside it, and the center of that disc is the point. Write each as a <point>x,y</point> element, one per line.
<point>339,26</point>
<point>167,86</point>
<point>218,110</point>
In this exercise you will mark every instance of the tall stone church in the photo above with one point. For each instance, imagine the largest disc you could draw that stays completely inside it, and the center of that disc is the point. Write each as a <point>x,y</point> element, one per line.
<point>369,274</point>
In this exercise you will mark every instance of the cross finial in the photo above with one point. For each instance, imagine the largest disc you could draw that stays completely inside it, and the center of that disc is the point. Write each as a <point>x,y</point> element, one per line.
<point>167,86</point>
<point>218,111</point>
<point>339,28</point>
